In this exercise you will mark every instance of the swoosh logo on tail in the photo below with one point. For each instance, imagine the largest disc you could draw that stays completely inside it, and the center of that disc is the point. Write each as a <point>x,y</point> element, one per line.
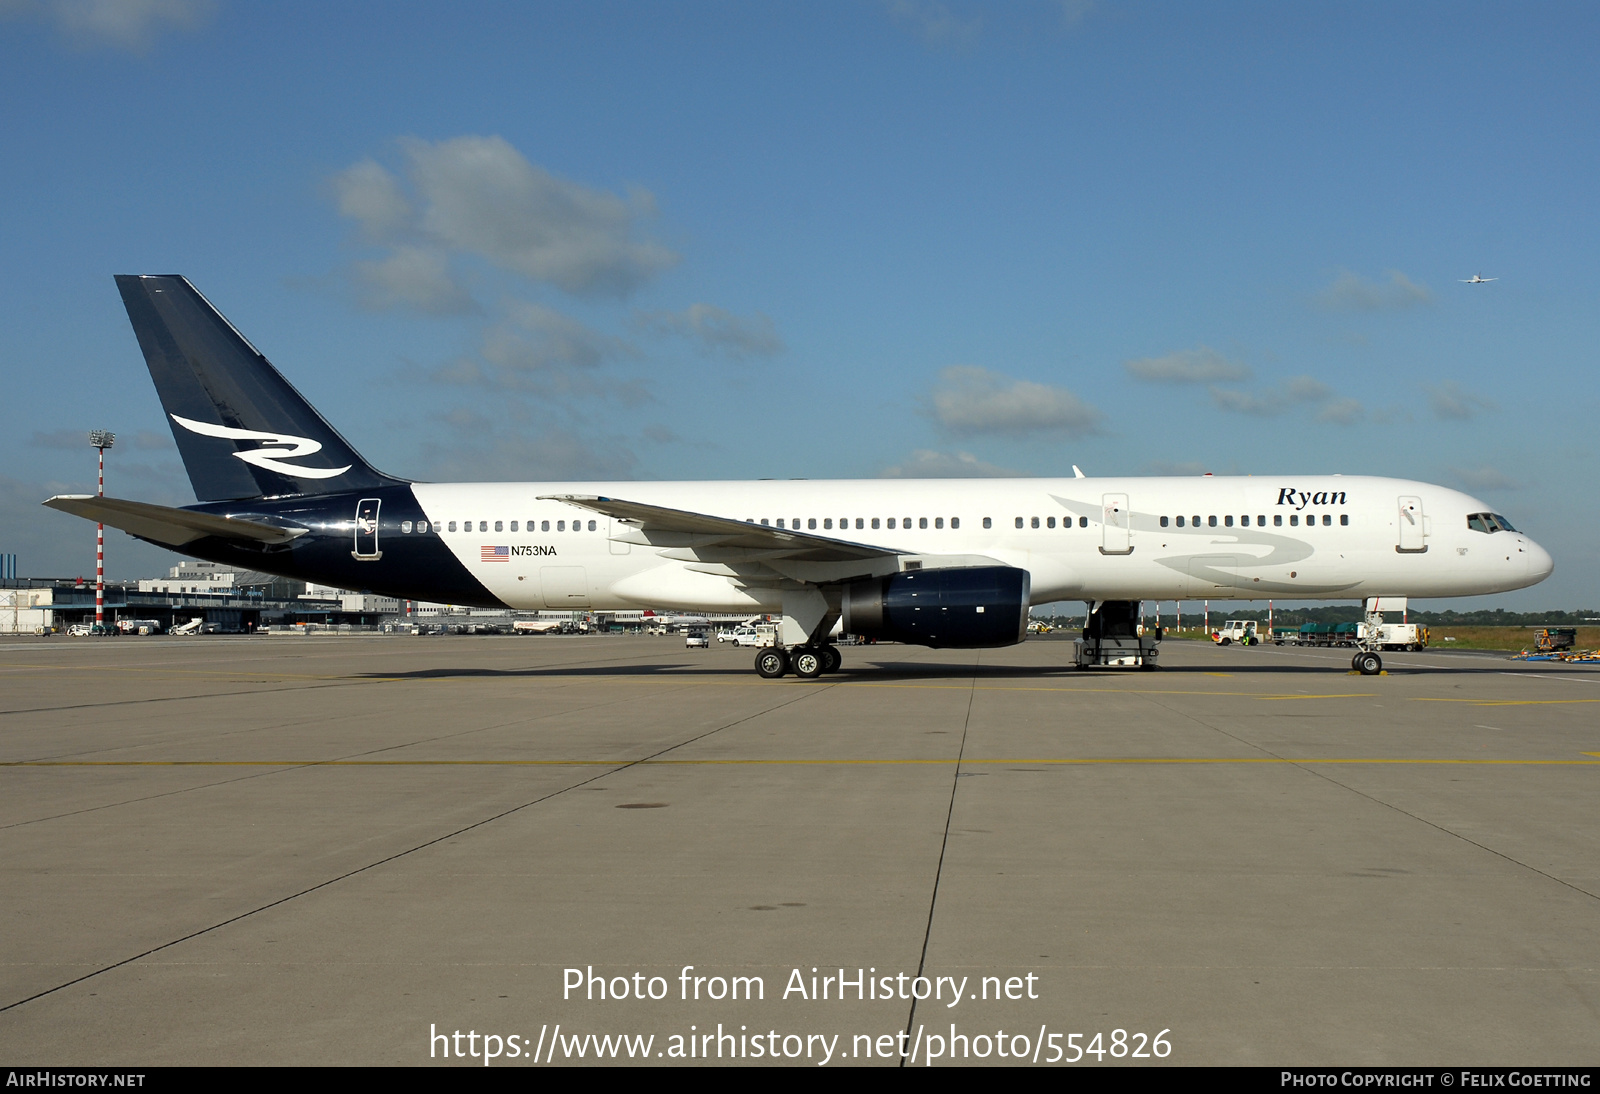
<point>271,459</point>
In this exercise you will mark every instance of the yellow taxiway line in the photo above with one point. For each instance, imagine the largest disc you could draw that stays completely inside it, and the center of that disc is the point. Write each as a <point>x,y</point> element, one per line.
<point>970,762</point>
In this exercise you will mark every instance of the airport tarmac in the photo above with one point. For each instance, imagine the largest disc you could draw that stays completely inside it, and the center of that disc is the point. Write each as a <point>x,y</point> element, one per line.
<point>325,850</point>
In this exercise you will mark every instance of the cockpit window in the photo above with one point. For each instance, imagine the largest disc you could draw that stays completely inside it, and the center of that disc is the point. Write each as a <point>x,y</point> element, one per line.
<point>1489,522</point>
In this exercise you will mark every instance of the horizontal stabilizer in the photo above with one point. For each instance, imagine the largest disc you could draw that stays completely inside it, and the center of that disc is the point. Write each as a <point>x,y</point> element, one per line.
<point>172,527</point>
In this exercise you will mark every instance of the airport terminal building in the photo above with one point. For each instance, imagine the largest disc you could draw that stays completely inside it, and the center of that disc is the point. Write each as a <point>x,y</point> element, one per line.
<point>211,598</point>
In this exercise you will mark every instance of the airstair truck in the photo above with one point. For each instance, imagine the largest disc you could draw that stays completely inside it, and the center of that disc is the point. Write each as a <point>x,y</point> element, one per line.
<point>1112,636</point>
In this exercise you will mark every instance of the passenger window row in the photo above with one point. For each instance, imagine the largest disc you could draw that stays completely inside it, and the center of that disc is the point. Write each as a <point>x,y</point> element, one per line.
<point>499,526</point>
<point>1049,522</point>
<point>1480,522</point>
<point>810,524</point>
<point>1261,520</point>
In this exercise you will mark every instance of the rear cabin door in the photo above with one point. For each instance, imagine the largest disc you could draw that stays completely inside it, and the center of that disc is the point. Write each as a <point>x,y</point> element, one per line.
<point>1115,535</point>
<point>366,544</point>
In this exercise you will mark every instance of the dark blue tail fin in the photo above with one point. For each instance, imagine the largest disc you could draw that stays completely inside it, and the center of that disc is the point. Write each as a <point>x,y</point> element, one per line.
<point>242,430</point>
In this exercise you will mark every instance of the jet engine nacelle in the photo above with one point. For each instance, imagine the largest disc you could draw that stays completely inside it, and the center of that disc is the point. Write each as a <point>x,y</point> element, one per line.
<point>961,608</point>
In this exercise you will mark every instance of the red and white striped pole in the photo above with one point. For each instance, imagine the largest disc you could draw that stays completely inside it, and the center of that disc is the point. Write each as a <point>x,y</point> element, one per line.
<point>101,439</point>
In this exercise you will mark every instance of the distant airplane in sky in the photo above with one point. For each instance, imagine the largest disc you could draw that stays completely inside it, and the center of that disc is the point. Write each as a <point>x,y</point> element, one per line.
<point>1476,279</point>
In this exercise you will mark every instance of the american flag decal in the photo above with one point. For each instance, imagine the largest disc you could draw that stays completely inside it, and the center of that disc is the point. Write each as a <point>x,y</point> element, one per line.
<point>494,554</point>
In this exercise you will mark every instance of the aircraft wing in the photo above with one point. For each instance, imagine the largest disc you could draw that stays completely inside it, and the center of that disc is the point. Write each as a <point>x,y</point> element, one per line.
<point>171,527</point>
<point>679,529</point>
<point>755,554</point>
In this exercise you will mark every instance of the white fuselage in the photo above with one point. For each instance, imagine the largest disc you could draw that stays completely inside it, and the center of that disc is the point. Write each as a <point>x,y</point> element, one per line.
<point>1289,537</point>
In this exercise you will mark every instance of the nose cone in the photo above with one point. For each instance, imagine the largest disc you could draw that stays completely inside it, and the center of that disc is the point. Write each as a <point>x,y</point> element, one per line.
<point>1540,564</point>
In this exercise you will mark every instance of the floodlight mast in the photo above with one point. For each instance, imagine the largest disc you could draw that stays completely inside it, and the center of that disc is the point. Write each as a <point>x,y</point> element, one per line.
<point>100,440</point>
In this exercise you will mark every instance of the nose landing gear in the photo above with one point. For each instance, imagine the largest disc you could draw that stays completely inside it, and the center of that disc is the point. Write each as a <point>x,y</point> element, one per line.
<point>1370,636</point>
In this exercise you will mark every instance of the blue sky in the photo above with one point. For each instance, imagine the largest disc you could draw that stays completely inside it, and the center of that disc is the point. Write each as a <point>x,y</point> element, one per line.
<point>717,240</point>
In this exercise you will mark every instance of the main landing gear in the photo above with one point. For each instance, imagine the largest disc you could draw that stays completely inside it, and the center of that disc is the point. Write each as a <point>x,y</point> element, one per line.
<point>806,662</point>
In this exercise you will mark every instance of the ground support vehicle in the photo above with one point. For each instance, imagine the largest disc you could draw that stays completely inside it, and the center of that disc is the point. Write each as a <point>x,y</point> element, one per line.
<point>1396,636</point>
<point>1329,634</point>
<point>1112,637</point>
<point>759,636</point>
<point>1553,639</point>
<point>1246,632</point>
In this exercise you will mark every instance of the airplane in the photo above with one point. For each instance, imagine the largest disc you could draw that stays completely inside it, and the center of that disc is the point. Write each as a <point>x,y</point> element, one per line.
<point>1476,279</point>
<point>940,563</point>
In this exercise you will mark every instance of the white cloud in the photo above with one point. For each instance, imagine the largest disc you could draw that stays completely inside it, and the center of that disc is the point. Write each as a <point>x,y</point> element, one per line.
<point>970,400</point>
<point>1351,293</point>
<point>1450,402</point>
<point>1342,412</point>
<point>935,23</point>
<point>927,464</point>
<point>537,337</point>
<point>120,24</point>
<point>371,196</point>
<point>1243,402</point>
<point>717,331</point>
<point>1196,366</point>
<point>1305,389</point>
<point>1074,12</point>
<point>481,196</point>
<point>1484,478</point>
<point>1296,391</point>
<point>61,438</point>
<point>478,197</point>
<point>537,349</point>
<point>418,277</point>
<point>554,454</point>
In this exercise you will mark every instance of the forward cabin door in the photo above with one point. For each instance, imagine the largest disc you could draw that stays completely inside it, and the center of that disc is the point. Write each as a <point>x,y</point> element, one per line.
<point>1411,527</point>
<point>1115,534</point>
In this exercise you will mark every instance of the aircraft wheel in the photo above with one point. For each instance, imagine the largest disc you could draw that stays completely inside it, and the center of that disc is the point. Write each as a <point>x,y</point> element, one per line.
<point>809,663</point>
<point>833,658</point>
<point>1368,664</point>
<point>771,663</point>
